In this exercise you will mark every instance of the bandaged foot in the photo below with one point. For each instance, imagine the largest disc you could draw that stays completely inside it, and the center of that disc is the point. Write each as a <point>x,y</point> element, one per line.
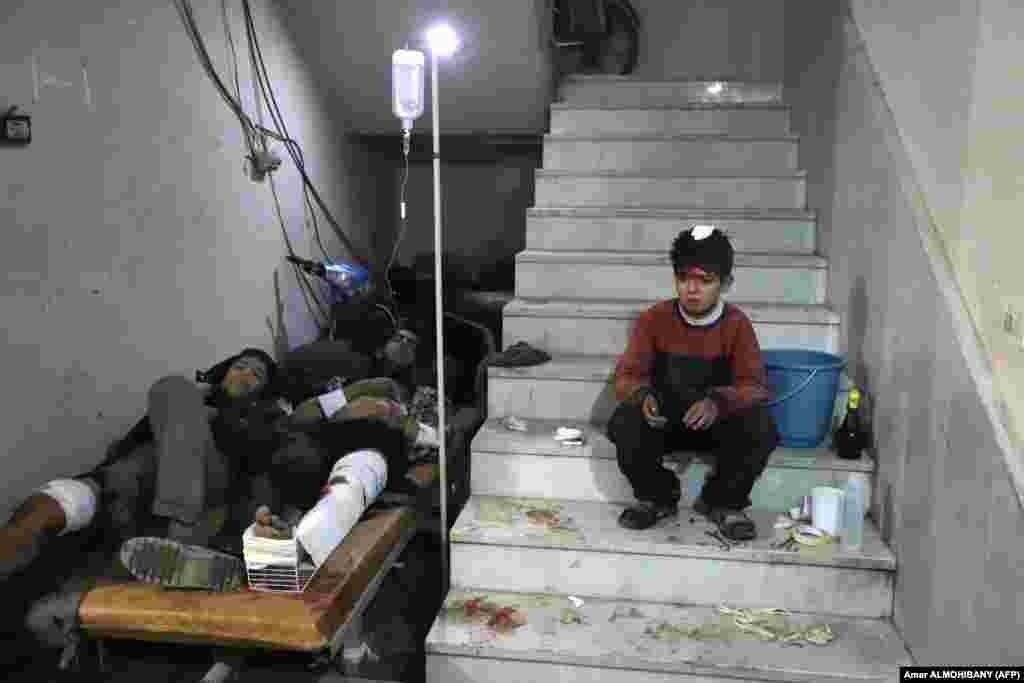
<point>268,525</point>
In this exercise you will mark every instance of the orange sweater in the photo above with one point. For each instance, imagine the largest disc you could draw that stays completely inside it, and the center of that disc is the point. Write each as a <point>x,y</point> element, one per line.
<point>669,355</point>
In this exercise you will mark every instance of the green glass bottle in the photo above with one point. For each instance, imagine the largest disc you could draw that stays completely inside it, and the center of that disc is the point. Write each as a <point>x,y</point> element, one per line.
<point>849,438</point>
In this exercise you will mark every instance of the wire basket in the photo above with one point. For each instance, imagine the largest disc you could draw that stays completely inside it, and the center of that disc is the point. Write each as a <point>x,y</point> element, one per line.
<point>276,566</point>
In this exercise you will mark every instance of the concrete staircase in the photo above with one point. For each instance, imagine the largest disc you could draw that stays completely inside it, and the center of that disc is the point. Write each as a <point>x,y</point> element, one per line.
<point>546,586</point>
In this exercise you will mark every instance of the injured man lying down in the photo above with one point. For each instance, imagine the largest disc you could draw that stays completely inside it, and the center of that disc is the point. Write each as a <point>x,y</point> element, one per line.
<point>216,457</point>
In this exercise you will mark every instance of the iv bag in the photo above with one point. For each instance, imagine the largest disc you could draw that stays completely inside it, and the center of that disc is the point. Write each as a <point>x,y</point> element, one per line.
<point>407,85</point>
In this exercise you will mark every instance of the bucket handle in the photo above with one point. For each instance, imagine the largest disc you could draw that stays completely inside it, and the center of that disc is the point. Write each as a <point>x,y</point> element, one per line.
<point>794,392</point>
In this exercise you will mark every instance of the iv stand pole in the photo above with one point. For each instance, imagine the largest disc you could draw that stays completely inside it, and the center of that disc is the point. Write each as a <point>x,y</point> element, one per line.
<point>439,320</point>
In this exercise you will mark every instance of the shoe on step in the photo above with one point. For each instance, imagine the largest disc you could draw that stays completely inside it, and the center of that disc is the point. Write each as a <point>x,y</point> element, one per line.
<point>176,565</point>
<point>735,525</point>
<point>644,514</point>
<point>520,354</point>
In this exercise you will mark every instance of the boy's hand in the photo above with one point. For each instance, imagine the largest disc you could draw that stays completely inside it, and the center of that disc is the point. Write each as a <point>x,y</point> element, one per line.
<point>649,408</point>
<point>701,414</point>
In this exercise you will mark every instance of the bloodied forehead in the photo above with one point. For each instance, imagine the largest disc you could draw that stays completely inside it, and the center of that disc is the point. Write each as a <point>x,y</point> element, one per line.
<point>697,272</point>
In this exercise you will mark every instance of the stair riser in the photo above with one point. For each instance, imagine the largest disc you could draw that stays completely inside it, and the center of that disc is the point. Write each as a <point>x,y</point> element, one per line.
<point>721,193</point>
<point>599,479</point>
<point>656,233</point>
<point>608,336</point>
<point>462,669</point>
<point>529,397</point>
<point>618,282</point>
<point>692,580</point>
<point>641,94</point>
<point>670,121</point>
<point>687,157</point>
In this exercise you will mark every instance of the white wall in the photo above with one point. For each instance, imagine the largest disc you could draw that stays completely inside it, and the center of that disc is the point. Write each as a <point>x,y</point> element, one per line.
<point>499,80</point>
<point>134,245</point>
<point>945,498</point>
<point>692,39</point>
<point>950,72</point>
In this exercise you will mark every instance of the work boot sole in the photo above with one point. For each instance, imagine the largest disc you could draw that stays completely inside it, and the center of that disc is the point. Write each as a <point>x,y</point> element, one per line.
<point>176,565</point>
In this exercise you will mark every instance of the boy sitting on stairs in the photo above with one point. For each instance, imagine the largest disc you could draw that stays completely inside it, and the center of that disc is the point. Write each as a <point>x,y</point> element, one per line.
<point>692,378</point>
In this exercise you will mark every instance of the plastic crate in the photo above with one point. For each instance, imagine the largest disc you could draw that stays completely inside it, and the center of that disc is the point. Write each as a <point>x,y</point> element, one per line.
<point>277,566</point>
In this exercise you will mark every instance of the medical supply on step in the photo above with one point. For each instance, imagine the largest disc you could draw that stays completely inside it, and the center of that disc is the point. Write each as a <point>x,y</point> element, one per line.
<point>854,499</point>
<point>826,509</point>
<point>513,423</point>
<point>569,436</point>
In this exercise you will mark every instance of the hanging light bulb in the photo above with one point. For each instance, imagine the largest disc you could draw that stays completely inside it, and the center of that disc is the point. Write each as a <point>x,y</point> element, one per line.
<point>443,40</point>
<point>407,86</point>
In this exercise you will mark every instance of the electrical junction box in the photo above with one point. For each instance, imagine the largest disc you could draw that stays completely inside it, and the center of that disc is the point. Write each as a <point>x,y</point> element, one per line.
<point>15,128</point>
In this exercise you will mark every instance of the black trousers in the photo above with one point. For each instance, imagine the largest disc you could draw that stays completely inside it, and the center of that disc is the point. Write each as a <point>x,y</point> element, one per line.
<point>741,444</point>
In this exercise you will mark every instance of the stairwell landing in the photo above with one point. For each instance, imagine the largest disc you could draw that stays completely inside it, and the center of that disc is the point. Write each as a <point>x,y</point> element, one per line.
<point>545,585</point>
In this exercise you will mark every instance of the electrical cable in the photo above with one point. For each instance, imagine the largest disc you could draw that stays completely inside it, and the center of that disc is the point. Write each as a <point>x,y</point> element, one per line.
<point>258,88</point>
<point>264,79</point>
<point>184,8</point>
<point>249,129</point>
<point>300,276</point>
<point>309,205</point>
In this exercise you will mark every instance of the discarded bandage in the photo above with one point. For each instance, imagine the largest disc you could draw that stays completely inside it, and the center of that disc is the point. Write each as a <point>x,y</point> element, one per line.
<point>569,436</point>
<point>514,424</point>
<point>767,624</point>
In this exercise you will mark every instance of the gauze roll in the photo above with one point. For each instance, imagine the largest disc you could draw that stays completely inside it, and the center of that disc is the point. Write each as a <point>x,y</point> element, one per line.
<point>76,498</point>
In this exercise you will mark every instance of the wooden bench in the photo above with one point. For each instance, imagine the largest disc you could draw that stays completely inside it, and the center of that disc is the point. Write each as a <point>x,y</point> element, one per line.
<point>313,621</point>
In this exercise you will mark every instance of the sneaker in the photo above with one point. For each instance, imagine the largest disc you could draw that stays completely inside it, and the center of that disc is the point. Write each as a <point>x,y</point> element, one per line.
<point>645,514</point>
<point>176,565</point>
<point>735,525</point>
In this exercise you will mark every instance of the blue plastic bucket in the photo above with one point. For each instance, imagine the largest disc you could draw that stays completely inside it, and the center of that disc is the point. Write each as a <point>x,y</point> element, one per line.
<point>803,387</point>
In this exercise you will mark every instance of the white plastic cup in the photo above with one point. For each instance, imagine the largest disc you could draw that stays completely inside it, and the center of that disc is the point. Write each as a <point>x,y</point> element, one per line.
<point>826,509</point>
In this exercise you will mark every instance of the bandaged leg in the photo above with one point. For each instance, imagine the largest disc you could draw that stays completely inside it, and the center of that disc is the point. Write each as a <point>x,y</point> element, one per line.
<point>60,507</point>
<point>354,483</point>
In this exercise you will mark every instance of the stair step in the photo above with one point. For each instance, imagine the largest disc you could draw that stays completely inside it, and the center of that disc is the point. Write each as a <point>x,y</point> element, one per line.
<point>602,327</point>
<point>568,387</point>
<point>619,641</point>
<point>685,154</point>
<point>738,119</point>
<point>651,189</point>
<point>642,229</point>
<point>532,464</point>
<point>775,278</point>
<point>577,547</point>
<point>608,90</point>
